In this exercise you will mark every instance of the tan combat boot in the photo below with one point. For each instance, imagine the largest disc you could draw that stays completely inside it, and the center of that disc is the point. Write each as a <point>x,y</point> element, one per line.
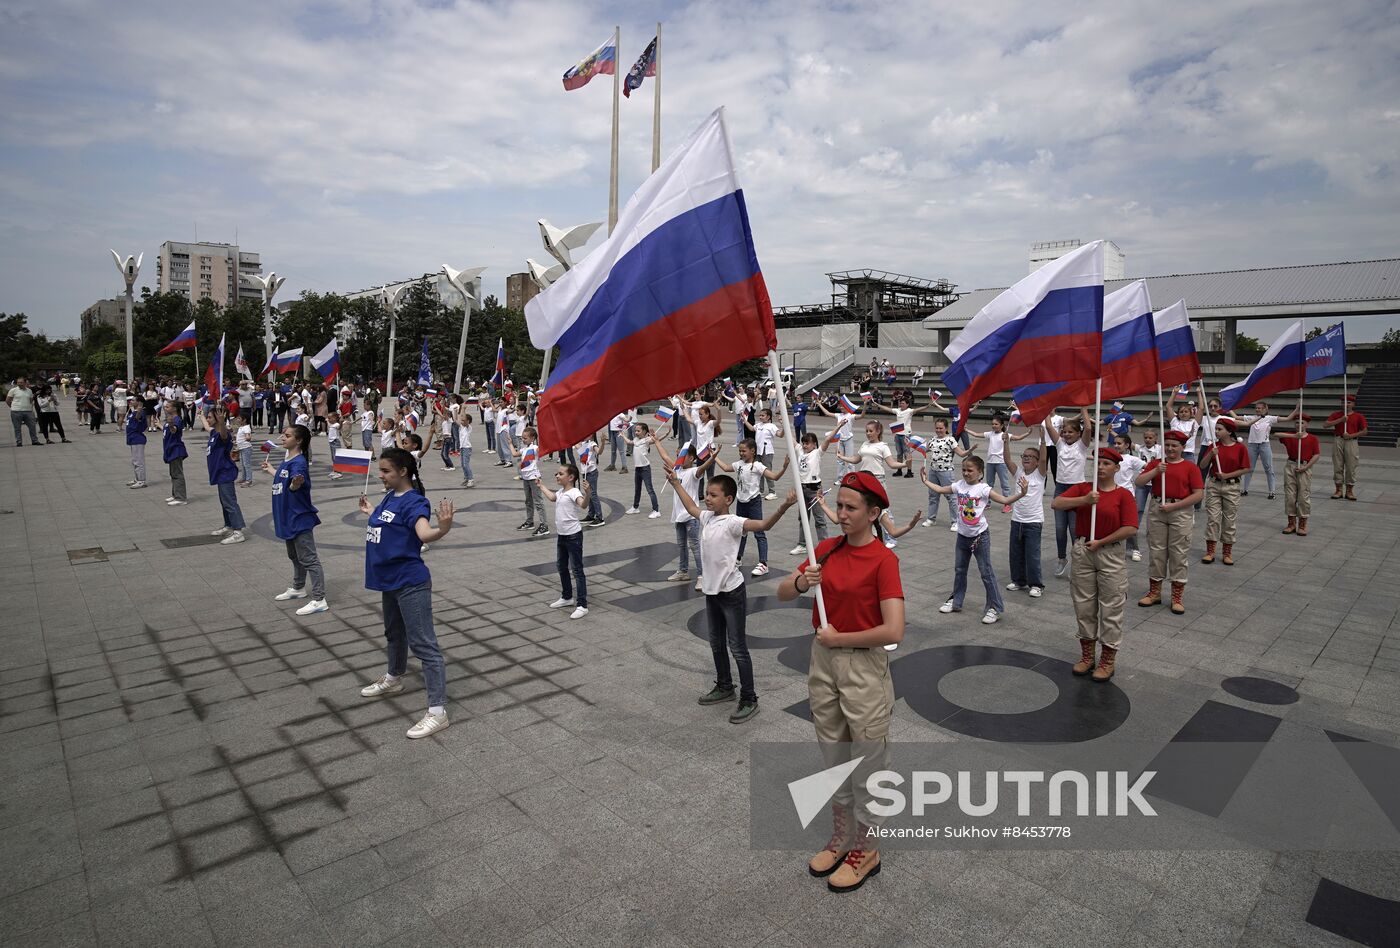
<point>1210,552</point>
<point>825,862</point>
<point>1107,656</point>
<point>1086,659</point>
<point>1178,591</point>
<point>1154,594</point>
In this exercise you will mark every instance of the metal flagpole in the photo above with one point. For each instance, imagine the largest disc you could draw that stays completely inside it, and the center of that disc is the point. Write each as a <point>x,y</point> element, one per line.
<point>656,107</point>
<point>1098,416</point>
<point>803,512</point>
<point>617,93</point>
<point>1162,439</point>
<point>1201,387</point>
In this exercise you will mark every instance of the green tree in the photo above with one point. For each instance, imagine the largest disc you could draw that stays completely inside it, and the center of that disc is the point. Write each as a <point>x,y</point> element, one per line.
<point>1390,342</point>
<point>243,326</point>
<point>1245,343</point>
<point>366,339</point>
<point>1314,332</point>
<point>107,364</point>
<point>156,320</point>
<point>309,322</point>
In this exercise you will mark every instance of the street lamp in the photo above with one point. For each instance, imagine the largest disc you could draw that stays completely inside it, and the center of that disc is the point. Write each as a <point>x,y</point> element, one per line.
<point>389,299</point>
<point>558,242</point>
<point>466,282</point>
<point>129,269</point>
<point>270,285</point>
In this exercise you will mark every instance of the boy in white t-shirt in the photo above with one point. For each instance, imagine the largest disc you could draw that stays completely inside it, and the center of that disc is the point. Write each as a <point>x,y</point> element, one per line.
<point>488,419</point>
<point>749,475</point>
<point>764,435</point>
<point>726,599</point>
<point>809,474</point>
<point>333,442</point>
<point>1028,522</point>
<point>974,535</point>
<point>1128,470</point>
<point>587,453</point>
<point>568,501</point>
<point>690,477</point>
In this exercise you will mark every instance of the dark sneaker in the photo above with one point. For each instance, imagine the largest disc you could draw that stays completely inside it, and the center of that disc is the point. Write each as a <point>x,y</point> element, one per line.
<point>540,531</point>
<point>746,710</point>
<point>527,525</point>
<point>718,695</point>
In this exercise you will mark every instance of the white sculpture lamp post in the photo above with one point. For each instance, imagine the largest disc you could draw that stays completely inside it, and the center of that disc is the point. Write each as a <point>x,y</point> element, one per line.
<point>466,282</point>
<point>270,285</point>
<point>390,301</point>
<point>129,269</point>
<point>560,243</point>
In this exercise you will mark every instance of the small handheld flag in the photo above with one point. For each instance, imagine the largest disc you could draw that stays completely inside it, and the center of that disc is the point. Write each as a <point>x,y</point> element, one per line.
<point>703,454</point>
<point>664,414</point>
<point>897,428</point>
<point>683,453</point>
<point>918,444</point>
<point>849,404</point>
<point>413,419</point>
<point>866,396</point>
<point>348,461</point>
<point>267,447</point>
<point>185,340</point>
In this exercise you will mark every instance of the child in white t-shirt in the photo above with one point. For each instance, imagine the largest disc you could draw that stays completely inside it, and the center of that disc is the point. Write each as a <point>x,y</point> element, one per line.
<point>688,478</point>
<point>1028,522</point>
<point>243,444</point>
<point>749,475</point>
<point>529,458</point>
<point>1128,470</point>
<point>726,600</point>
<point>587,453</point>
<point>333,441</point>
<point>568,501</point>
<point>764,435</point>
<point>449,444</point>
<point>974,535</point>
<point>464,445</point>
<point>640,443</point>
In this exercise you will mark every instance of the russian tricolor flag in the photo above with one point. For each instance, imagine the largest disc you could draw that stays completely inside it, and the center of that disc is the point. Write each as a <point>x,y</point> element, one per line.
<point>288,361</point>
<point>1284,367</point>
<point>267,447</point>
<point>327,361</point>
<point>849,404</point>
<point>601,62</point>
<point>271,361</point>
<point>897,428</point>
<point>1129,358</point>
<point>214,375</point>
<point>186,340</point>
<point>674,297</point>
<point>1177,362</point>
<point>348,461</point>
<point>704,453</point>
<point>499,378</point>
<point>1047,328</point>
<point>683,453</point>
<point>918,444</point>
<point>664,414</point>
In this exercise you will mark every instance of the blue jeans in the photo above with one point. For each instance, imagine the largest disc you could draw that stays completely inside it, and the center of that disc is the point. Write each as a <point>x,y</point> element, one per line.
<point>1025,553</point>
<point>842,468</point>
<point>999,478</point>
<point>1064,521</point>
<point>981,547</point>
<point>688,539</point>
<point>569,558</point>
<point>466,464</point>
<point>752,510</point>
<point>228,500</point>
<point>1141,494</point>
<point>595,504</point>
<point>367,441</point>
<point>21,420</point>
<point>727,613</point>
<point>642,476</point>
<point>1257,451</point>
<point>615,440</point>
<point>245,464</point>
<point>408,624</point>
<point>490,436</point>
<point>449,443</point>
<point>900,447</point>
<point>942,479</point>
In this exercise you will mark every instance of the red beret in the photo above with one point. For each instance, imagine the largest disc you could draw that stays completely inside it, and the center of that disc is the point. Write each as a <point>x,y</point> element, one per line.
<point>1111,454</point>
<point>1228,423</point>
<point>1351,398</point>
<point>867,483</point>
<point>1176,436</point>
<point>1305,417</point>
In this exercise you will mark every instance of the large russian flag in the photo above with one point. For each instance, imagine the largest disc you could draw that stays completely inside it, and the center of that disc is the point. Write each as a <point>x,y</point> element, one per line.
<point>601,62</point>
<point>288,361</point>
<point>214,375</point>
<point>499,377</point>
<point>327,361</point>
<point>1048,328</point>
<point>1129,358</point>
<point>672,299</point>
<point>186,340</point>
<point>1284,367</point>
<point>1177,362</point>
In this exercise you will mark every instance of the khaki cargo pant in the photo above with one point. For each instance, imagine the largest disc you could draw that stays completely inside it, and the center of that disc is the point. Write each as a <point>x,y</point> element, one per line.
<point>1098,586</point>
<point>1222,507</point>
<point>1169,542</point>
<point>1297,483</point>
<point>1344,458</point>
<point>852,698</point>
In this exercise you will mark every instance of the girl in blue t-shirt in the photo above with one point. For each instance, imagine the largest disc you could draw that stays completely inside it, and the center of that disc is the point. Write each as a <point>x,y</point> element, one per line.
<point>294,518</point>
<point>136,440</point>
<point>174,452</point>
<point>398,530</point>
<point>223,471</point>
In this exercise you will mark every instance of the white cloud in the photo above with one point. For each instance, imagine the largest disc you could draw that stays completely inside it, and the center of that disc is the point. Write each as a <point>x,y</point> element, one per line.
<point>352,143</point>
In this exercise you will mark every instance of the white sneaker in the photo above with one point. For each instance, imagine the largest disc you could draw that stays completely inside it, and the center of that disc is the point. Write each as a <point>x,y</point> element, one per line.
<point>560,603</point>
<point>235,536</point>
<point>579,613</point>
<point>290,593</point>
<point>654,515</point>
<point>384,686</point>
<point>760,570</point>
<point>928,522</point>
<point>471,483</point>
<point>1137,556</point>
<point>891,543</point>
<point>313,607</point>
<point>221,532</point>
<point>169,499</point>
<point>947,607</point>
<point>1036,592</point>
<point>138,485</point>
<point>632,510</point>
<point>990,617</point>
<point>891,647</point>
<point>952,528</point>
<point>128,483</point>
<point>700,585</point>
<point>770,496</point>
<point>1060,570</point>
<point>431,724</point>
<point>177,503</point>
<point>798,550</point>
<point>679,576</point>
<point>1014,586</point>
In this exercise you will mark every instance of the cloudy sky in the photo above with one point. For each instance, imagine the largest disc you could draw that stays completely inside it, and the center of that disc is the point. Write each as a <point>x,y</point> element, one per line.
<point>354,143</point>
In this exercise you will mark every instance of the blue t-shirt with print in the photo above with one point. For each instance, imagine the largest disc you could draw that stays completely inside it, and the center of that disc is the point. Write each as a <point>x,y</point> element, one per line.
<point>172,446</point>
<point>222,469</point>
<point>292,511</point>
<point>393,552</point>
<point>136,427</point>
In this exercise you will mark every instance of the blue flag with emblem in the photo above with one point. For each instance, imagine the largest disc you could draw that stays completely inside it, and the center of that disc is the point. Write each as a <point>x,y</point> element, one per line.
<point>1327,354</point>
<point>425,369</point>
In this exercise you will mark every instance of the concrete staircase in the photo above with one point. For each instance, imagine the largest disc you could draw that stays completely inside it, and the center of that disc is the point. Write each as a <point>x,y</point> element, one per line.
<point>1378,398</point>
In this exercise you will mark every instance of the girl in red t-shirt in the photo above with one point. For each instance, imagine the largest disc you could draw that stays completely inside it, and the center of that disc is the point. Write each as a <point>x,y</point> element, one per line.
<point>849,687</point>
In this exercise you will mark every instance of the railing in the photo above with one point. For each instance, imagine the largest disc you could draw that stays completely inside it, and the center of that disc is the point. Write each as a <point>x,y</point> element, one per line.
<point>826,365</point>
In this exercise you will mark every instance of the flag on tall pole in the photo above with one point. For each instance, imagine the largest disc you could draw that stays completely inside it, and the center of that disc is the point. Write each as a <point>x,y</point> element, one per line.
<point>1177,361</point>
<point>327,361</point>
<point>498,379</point>
<point>674,297</point>
<point>601,62</point>
<point>644,67</point>
<point>214,375</point>
<point>185,340</point>
<point>240,364</point>
<point>271,362</point>
<point>289,361</point>
<point>1327,354</point>
<point>1047,328</point>
<point>1283,368</point>
<point>425,368</point>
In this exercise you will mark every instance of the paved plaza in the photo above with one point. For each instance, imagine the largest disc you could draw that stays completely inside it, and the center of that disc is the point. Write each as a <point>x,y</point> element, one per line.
<point>186,762</point>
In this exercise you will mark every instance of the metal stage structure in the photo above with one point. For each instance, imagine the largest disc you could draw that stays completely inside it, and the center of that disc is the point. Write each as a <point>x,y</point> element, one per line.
<point>869,297</point>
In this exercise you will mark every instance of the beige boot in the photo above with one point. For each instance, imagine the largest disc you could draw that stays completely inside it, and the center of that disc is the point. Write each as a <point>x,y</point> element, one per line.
<point>1227,554</point>
<point>825,862</point>
<point>860,864</point>
<point>1086,658</point>
<point>1154,594</point>
<point>1210,552</point>
<point>1292,525</point>
<point>1178,592</point>
<point>1107,656</point>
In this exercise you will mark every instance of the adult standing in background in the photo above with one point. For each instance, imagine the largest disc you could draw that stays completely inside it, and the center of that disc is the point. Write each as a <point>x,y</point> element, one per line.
<point>319,403</point>
<point>20,398</point>
<point>49,417</point>
<point>1349,426</point>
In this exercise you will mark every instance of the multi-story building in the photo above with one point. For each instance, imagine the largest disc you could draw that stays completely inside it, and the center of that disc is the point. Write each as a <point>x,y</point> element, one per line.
<point>520,289</point>
<point>220,272</point>
<point>1046,250</point>
<point>103,313</point>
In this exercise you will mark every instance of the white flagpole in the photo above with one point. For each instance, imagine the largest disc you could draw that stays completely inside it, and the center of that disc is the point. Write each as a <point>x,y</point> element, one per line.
<point>656,107</point>
<point>1162,439</point>
<point>617,92</point>
<point>803,512</point>
<point>1098,415</point>
<point>1201,387</point>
